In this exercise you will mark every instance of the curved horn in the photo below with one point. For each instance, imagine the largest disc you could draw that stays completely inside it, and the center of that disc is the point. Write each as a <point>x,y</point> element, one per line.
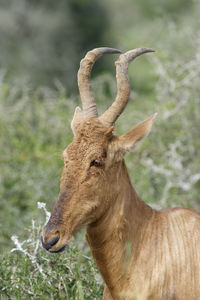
<point>86,64</point>
<point>123,87</point>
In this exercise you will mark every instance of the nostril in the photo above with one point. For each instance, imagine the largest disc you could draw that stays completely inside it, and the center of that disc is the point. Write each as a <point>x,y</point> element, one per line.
<point>50,243</point>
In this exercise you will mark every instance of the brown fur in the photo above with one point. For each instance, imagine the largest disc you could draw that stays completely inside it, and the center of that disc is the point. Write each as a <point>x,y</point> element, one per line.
<point>141,253</point>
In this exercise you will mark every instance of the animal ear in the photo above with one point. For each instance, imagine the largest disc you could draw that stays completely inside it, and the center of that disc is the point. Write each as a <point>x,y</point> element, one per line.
<point>77,118</point>
<point>128,141</point>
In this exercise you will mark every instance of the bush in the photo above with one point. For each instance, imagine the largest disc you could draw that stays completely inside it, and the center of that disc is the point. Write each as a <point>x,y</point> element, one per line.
<point>29,272</point>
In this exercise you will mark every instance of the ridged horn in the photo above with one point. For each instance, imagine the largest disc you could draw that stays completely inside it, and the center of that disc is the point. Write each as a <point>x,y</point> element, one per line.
<point>109,117</point>
<point>86,64</point>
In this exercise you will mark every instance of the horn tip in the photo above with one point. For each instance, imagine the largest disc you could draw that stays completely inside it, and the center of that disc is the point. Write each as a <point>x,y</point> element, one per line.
<point>145,50</point>
<point>150,50</point>
<point>107,50</point>
<point>132,54</point>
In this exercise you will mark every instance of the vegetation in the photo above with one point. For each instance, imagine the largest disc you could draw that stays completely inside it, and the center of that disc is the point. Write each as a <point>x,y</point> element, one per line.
<point>31,273</point>
<point>35,116</point>
<point>43,41</point>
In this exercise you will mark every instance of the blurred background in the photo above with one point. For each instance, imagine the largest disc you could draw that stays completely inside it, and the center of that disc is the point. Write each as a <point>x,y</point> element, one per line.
<point>41,45</point>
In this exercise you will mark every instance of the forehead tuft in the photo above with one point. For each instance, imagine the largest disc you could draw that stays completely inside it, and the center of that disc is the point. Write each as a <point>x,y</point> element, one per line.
<point>92,128</point>
<point>91,139</point>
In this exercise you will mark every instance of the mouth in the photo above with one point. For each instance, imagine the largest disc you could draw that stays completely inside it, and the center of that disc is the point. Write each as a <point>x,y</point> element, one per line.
<point>50,245</point>
<point>58,251</point>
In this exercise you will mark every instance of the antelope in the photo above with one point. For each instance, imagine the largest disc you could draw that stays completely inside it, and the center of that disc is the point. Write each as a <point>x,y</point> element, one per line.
<point>141,253</point>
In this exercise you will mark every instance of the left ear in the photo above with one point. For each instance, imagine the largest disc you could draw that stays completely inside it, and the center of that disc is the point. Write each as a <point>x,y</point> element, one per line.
<point>127,142</point>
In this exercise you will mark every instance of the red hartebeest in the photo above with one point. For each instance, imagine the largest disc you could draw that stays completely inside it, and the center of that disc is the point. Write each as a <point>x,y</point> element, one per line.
<point>163,257</point>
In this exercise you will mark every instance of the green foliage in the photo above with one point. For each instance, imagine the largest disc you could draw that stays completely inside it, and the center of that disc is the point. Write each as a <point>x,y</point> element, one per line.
<point>31,273</point>
<point>34,133</point>
<point>42,41</point>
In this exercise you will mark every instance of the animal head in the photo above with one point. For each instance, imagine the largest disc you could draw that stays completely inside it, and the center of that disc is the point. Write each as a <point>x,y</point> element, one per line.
<point>92,162</point>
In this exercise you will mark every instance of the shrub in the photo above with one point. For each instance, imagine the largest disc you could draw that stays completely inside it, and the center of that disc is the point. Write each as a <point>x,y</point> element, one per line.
<point>29,272</point>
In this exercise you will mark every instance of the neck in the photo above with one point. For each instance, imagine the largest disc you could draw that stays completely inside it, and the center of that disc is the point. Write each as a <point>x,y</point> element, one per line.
<point>118,232</point>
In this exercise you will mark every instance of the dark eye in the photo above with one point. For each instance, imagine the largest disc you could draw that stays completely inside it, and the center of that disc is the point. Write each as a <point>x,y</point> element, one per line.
<point>96,163</point>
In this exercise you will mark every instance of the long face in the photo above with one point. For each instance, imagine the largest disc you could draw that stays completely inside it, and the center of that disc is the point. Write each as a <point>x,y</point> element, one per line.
<point>85,184</point>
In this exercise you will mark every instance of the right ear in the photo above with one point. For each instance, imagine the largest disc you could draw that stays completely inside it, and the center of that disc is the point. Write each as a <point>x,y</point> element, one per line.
<point>127,142</point>
<point>77,119</point>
